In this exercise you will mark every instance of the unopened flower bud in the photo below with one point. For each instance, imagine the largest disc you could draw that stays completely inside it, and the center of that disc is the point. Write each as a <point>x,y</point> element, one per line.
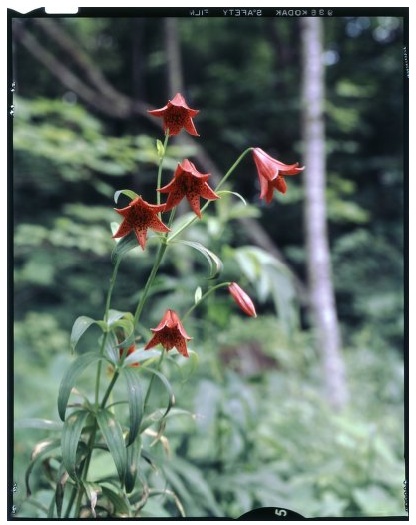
<point>242,299</point>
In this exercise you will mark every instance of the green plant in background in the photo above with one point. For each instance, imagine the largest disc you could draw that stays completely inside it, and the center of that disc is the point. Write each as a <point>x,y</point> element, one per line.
<point>115,398</point>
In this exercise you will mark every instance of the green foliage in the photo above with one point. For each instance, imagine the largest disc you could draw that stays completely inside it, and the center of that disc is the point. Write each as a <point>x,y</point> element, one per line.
<point>271,278</point>
<point>67,140</point>
<point>374,283</point>
<point>265,436</point>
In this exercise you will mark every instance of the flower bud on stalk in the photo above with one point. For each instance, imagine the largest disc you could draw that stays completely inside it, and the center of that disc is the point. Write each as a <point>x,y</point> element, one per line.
<point>242,299</point>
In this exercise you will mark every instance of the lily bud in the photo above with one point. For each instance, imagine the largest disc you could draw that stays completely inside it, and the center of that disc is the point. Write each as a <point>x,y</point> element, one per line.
<point>242,299</point>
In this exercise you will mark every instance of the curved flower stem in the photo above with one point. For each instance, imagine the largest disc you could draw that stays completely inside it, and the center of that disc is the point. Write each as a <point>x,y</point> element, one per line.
<point>236,163</point>
<point>221,183</point>
<point>159,172</point>
<point>203,297</point>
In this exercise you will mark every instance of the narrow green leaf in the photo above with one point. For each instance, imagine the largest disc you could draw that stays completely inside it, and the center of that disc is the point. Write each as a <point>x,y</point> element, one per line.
<point>70,378</point>
<point>129,341</point>
<point>215,263</point>
<point>135,400</point>
<point>115,315</point>
<point>41,450</point>
<point>170,493</point>
<point>81,324</point>
<point>133,457</point>
<point>177,483</point>
<point>142,356</point>
<point>139,498</point>
<point>150,459</point>
<point>111,348</point>
<point>123,246</point>
<point>232,193</point>
<point>160,414</point>
<point>168,388</point>
<point>129,193</point>
<point>199,488</point>
<point>71,434</point>
<point>126,326</point>
<point>120,502</point>
<point>60,490</point>
<point>113,436</point>
<point>51,509</point>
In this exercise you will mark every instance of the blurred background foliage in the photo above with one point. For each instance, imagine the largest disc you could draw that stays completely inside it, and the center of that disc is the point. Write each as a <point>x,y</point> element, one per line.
<point>263,434</point>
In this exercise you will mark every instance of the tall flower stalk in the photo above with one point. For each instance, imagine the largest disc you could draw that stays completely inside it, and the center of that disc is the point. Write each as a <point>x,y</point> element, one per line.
<point>99,425</point>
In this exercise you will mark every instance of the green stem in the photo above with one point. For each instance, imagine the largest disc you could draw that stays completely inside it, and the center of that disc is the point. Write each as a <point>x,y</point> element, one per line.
<point>221,183</point>
<point>236,163</point>
<point>106,313</point>
<point>159,172</point>
<point>79,501</point>
<point>109,388</point>
<point>203,297</point>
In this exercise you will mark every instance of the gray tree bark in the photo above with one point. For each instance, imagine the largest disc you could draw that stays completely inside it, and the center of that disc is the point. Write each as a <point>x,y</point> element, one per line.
<point>173,56</point>
<point>321,291</point>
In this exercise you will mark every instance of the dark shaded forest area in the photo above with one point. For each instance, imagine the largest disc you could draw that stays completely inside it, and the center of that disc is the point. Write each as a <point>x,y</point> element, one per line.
<point>303,406</point>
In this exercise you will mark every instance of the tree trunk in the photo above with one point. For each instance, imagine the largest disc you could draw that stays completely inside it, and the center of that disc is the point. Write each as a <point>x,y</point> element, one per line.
<point>173,56</point>
<point>138,59</point>
<point>322,298</point>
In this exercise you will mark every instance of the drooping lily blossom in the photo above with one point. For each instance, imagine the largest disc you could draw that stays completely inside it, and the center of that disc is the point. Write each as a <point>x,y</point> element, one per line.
<point>170,333</point>
<point>271,172</point>
<point>188,182</point>
<point>176,116</point>
<point>138,216</point>
<point>242,299</point>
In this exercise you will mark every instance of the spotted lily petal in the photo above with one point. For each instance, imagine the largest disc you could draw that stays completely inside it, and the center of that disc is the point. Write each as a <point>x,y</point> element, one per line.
<point>177,115</point>
<point>138,216</point>
<point>188,182</point>
<point>170,333</point>
<point>271,172</point>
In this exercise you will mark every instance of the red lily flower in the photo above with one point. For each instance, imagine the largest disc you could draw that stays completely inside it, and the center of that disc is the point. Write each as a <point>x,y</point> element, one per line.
<point>139,215</point>
<point>177,115</point>
<point>188,182</point>
<point>170,333</point>
<point>270,172</point>
<point>242,299</point>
